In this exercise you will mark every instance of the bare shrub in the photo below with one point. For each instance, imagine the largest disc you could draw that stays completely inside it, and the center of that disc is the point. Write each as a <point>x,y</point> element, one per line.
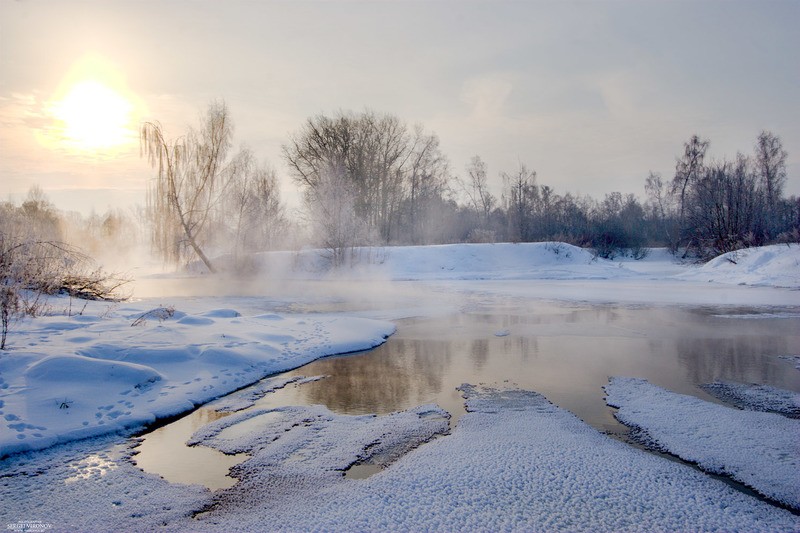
<point>31,269</point>
<point>160,313</point>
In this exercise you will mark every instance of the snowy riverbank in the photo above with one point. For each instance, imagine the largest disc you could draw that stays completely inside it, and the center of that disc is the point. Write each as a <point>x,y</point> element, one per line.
<point>69,377</point>
<point>513,462</point>
<point>72,377</point>
<point>768,266</point>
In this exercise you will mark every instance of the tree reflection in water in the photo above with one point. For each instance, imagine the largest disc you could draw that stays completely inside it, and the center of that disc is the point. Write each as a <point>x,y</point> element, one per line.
<point>565,352</point>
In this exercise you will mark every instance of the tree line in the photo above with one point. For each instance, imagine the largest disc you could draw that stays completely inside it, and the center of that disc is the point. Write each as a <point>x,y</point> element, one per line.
<point>371,179</point>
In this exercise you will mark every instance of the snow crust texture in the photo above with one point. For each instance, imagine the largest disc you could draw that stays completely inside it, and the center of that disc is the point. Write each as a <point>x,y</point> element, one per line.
<point>761,450</point>
<point>69,378</point>
<point>756,397</point>
<point>514,462</point>
<point>92,486</point>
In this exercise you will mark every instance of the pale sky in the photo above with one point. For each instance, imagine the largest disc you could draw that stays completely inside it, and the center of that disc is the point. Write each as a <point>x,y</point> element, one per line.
<point>592,95</point>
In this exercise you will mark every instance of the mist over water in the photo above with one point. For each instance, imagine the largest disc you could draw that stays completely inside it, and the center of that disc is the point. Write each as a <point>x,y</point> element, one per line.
<point>565,351</point>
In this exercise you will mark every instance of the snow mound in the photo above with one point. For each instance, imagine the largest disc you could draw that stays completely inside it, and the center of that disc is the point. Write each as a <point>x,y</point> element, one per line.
<point>118,378</point>
<point>777,265</point>
<point>756,397</point>
<point>79,369</point>
<point>491,261</point>
<point>758,449</point>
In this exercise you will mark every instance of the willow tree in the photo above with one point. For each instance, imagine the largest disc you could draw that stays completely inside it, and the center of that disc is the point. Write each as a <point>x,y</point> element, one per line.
<point>192,174</point>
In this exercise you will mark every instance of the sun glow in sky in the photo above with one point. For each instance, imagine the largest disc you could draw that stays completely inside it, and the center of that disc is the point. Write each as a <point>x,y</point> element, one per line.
<point>92,113</point>
<point>94,116</point>
<point>591,95</point>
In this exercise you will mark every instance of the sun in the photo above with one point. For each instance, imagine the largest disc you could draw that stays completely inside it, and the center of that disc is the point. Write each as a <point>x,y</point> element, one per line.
<point>92,113</point>
<point>93,116</point>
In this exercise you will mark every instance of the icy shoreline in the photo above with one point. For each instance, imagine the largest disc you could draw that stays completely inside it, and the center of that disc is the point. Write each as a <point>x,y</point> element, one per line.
<point>70,378</point>
<point>162,368</point>
<point>514,462</point>
<point>759,449</point>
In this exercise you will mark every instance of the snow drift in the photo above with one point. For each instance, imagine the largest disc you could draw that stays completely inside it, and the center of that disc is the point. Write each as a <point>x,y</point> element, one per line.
<point>75,377</point>
<point>777,266</point>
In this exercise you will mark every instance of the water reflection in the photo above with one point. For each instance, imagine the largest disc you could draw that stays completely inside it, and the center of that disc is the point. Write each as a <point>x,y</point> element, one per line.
<point>164,452</point>
<point>739,358</point>
<point>565,352</point>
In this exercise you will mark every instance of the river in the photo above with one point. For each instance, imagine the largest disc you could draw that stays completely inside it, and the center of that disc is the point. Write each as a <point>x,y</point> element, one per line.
<point>565,351</point>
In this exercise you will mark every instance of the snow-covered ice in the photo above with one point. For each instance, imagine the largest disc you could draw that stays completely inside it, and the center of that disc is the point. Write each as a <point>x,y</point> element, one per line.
<point>761,450</point>
<point>514,462</point>
<point>756,397</point>
<point>91,486</point>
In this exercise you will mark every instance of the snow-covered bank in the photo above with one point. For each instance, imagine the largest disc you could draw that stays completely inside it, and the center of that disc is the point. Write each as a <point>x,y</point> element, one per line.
<point>772,266</point>
<point>777,265</point>
<point>758,449</point>
<point>515,462</point>
<point>545,260</point>
<point>68,378</point>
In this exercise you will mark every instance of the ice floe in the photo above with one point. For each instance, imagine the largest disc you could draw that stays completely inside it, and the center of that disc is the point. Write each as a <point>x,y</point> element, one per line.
<point>756,397</point>
<point>514,462</point>
<point>761,450</point>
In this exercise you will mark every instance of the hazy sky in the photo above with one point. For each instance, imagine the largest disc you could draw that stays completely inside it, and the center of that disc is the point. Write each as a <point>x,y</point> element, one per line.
<point>592,95</point>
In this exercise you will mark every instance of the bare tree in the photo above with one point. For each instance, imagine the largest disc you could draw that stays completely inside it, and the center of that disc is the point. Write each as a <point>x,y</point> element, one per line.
<point>521,193</point>
<point>724,206</point>
<point>688,170</point>
<point>334,221</point>
<point>385,163</point>
<point>770,166</point>
<point>192,174</point>
<point>661,208</point>
<point>477,189</point>
<point>426,182</point>
<point>253,206</point>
